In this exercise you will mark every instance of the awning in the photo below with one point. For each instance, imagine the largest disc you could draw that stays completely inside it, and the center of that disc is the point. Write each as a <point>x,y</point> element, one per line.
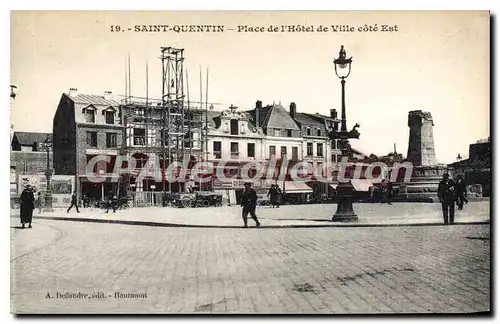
<point>358,184</point>
<point>361,184</point>
<point>295,187</point>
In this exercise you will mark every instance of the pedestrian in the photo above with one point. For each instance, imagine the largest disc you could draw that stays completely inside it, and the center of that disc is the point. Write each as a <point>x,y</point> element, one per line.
<point>272,194</point>
<point>249,204</point>
<point>27,205</point>
<point>86,201</point>
<point>112,202</point>
<point>39,202</point>
<point>447,197</point>
<point>74,202</point>
<point>278,196</point>
<point>389,193</point>
<point>461,192</point>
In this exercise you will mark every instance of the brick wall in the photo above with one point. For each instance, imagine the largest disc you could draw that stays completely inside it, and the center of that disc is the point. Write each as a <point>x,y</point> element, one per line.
<point>81,141</point>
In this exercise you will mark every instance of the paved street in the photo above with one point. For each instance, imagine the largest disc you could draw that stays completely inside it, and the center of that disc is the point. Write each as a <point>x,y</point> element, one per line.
<point>234,270</point>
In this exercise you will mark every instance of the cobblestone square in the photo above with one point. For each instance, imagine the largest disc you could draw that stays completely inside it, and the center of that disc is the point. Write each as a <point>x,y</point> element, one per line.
<point>336,270</point>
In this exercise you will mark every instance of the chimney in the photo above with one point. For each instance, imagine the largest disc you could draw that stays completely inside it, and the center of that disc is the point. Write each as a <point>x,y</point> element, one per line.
<point>333,113</point>
<point>293,110</point>
<point>73,92</point>
<point>258,109</point>
<point>107,95</point>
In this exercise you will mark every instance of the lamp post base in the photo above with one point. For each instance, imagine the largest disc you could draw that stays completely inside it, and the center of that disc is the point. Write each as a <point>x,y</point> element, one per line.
<point>345,217</point>
<point>345,212</point>
<point>48,204</point>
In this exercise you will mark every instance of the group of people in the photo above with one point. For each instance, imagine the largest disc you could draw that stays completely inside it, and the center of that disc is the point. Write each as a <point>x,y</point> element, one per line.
<point>112,203</point>
<point>275,195</point>
<point>451,192</point>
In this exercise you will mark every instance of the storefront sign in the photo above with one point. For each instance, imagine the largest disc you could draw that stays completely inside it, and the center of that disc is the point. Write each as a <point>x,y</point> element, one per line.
<point>101,152</point>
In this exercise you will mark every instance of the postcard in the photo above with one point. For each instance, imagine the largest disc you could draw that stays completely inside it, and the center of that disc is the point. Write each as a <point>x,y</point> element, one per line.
<point>250,162</point>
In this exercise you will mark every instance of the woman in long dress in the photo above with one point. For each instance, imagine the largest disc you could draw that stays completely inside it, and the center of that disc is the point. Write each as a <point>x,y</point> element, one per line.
<point>27,206</point>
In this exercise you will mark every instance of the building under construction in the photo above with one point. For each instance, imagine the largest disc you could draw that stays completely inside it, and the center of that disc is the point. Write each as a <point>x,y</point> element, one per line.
<point>166,130</point>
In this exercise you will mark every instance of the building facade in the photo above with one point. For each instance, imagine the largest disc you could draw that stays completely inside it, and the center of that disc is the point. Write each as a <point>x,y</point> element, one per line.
<point>476,170</point>
<point>89,125</point>
<point>28,158</point>
<point>85,126</point>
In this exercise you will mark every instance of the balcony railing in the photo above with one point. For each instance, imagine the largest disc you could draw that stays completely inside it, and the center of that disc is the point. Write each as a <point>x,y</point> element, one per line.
<point>139,140</point>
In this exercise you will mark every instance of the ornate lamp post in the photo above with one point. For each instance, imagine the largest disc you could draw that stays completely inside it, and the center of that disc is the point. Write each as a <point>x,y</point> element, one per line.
<point>345,190</point>
<point>47,145</point>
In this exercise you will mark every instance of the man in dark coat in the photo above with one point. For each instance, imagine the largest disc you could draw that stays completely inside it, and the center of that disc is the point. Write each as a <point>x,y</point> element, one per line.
<point>461,192</point>
<point>447,197</point>
<point>273,195</point>
<point>74,202</point>
<point>249,203</point>
<point>27,205</point>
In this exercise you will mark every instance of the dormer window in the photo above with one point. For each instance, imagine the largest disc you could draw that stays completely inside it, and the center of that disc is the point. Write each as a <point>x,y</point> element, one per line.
<point>234,127</point>
<point>110,116</point>
<point>318,132</point>
<point>308,131</point>
<point>89,115</point>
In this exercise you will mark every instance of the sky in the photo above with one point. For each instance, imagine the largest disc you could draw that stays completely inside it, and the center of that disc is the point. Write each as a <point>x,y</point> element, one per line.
<point>435,61</point>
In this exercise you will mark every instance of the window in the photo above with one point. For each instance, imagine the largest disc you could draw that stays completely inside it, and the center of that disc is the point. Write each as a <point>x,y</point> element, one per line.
<point>289,133</point>
<point>277,132</point>
<point>89,115</point>
<point>35,147</point>
<point>283,151</point>
<point>234,127</point>
<point>234,149</point>
<point>110,139</point>
<point>319,149</point>
<point>217,147</point>
<point>333,144</point>
<point>139,136</point>
<point>295,153</point>
<point>308,131</point>
<point>92,139</point>
<point>318,132</point>
<point>310,149</point>
<point>272,151</point>
<point>251,149</point>
<point>110,117</point>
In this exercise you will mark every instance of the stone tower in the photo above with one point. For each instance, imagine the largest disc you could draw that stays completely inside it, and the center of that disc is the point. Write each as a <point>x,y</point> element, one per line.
<point>421,144</point>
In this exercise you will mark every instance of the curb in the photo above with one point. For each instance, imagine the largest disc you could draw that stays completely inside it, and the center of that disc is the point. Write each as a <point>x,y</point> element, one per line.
<point>160,224</point>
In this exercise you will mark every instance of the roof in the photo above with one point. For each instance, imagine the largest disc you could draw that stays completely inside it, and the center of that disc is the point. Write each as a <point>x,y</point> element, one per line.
<point>28,138</point>
<point>306,119</point>
<point>320,116</point>
<point>92,100</point>
<point>278,117</point>
<point>212,115</point>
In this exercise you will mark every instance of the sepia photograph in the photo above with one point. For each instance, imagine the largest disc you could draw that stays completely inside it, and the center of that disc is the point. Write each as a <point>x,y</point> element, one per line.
<point>250,162</point>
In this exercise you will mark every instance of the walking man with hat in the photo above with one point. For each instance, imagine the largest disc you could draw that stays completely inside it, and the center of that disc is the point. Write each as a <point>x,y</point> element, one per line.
<point>249,204</point>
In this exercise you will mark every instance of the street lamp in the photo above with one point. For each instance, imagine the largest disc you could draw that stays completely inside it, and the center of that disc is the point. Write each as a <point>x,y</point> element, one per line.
<point>345,190</point>
<point>12,93</point>
<point>47,145</point>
